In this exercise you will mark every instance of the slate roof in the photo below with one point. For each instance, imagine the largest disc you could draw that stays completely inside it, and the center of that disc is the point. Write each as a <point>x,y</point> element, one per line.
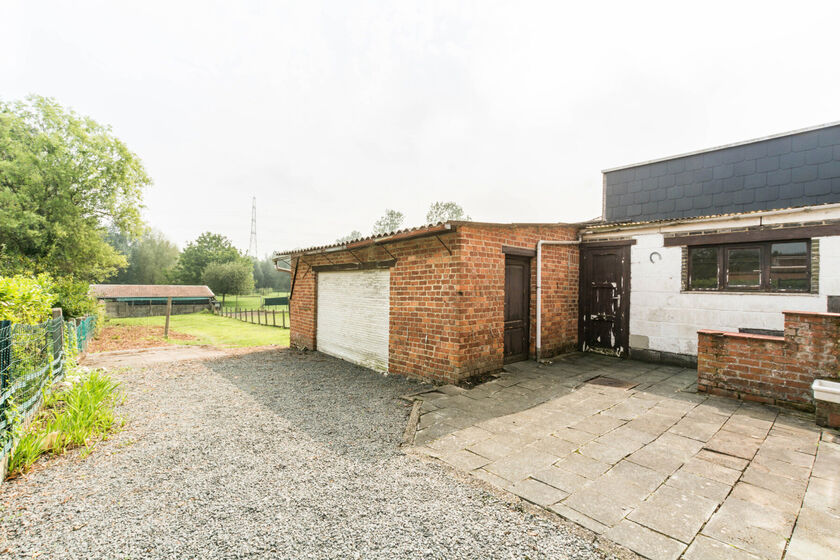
<point>149,291</point>
<point>800,168</point>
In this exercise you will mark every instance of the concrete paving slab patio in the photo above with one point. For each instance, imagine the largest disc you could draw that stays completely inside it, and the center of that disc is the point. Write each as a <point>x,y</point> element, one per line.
<point>631,451</point>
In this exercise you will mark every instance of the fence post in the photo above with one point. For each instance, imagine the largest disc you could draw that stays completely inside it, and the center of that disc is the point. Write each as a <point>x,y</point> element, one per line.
<point>274,317</point>
<point>168,312</point>
<point>5,353</point>
<point>58,338</point>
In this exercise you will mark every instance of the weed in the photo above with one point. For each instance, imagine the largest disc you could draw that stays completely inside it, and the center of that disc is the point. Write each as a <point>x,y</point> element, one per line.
<point>77,417</point>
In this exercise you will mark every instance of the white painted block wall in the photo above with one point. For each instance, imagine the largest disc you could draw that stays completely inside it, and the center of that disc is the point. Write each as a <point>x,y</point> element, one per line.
<point>670,319</point>
<point>354,316</point>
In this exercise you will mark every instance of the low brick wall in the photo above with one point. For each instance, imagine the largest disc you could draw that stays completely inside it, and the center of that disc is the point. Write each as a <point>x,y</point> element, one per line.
<point>771,369</point>
<point>122,309</point>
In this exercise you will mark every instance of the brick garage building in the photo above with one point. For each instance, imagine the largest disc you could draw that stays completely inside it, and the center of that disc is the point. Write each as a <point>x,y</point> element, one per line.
<point>441,302</point>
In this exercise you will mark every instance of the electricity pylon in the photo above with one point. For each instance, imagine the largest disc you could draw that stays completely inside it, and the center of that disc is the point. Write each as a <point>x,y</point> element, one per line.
<point>252,246</point>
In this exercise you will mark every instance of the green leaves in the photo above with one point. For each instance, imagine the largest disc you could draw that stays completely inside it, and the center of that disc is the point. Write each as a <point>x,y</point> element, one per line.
<point>26,300</point>
<point>235,277</point>
<point>208,248</point>
<point>445,212</point>
<point>63,179</point>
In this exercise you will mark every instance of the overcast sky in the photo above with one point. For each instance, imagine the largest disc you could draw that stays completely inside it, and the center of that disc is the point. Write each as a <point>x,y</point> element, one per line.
<point>331,112</point>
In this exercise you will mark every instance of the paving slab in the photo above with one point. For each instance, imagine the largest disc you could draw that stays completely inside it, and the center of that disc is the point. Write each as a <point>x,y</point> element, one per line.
<point>492,449</point>
<point>699,485</point>
<point>583,465</point>
<point>705,548</point>
<point>577,517</point>
<point>553,446</point>
<point>823,495</point>
<point>598,424</point>
<point>521,465</point>
<point>562,479</point>
<point>767,498</point>
<point>463,459</point>
<point>607,510</point>
<point>807,545</point>
<point>643,541</point>
<point>728,461</point>
<point>657,468</point>
<point>674,512</point>
<point>734,444</point>
<point>538,492</point>
<point>754,528</point>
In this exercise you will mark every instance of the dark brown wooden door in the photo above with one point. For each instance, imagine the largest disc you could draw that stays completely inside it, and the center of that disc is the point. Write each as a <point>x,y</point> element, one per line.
<point>605,299</point>
<point>517,307</point>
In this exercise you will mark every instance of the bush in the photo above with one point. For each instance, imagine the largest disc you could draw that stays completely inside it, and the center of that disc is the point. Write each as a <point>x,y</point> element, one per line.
<point>230,278</point>
<point>73,298</point>
<point>26,300</point>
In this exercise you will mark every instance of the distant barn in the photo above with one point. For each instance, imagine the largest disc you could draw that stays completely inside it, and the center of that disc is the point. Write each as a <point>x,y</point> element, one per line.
<point>145,300</point>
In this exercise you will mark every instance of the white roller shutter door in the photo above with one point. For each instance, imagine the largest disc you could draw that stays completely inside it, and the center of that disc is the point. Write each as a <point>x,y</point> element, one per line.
<point>353,316</point>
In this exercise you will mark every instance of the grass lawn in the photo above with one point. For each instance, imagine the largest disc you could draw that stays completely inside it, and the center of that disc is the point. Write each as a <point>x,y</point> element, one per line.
<point>206,328</point>
<point>252,301</point>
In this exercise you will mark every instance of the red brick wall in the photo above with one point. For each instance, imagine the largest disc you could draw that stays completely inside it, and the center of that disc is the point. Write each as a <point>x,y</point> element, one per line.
<point>774,370</point>
<point>481,281</point>
<point>447,310</point>
<point>423,342</point>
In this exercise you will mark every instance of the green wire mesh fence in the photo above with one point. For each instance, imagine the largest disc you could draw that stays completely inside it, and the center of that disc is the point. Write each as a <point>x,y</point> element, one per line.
<point>32,358</point>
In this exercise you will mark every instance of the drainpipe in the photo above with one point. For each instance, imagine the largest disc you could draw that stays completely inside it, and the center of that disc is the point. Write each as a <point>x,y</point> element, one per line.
<point>540,243</point>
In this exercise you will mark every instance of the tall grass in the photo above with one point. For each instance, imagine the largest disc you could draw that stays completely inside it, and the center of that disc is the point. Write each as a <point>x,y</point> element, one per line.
<point>78,417</point>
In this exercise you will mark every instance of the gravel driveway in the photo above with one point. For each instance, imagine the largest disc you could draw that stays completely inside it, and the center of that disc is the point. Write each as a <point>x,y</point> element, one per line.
<point>262,455</point>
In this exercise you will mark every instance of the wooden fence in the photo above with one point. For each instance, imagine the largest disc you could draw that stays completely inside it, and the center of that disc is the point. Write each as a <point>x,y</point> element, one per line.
<point>266,317</point>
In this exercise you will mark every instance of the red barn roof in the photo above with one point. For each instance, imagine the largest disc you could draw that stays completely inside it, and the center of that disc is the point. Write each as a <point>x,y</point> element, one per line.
<point>149,291</point>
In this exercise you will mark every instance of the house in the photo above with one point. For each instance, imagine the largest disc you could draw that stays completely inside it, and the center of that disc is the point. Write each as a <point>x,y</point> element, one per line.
<point>724,239</point>
<point>144,300</point>
<point>443,302</point>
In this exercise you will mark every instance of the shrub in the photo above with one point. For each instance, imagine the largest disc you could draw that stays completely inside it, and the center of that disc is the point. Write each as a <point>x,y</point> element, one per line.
<point>26,300</point>
<point>73,299</point>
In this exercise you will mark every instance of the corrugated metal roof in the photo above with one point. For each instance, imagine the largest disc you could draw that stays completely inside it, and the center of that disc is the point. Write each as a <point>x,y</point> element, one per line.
<point>605,224</point>
<point>400,233</point>
<point>149,291</point>
<point>408,233</point>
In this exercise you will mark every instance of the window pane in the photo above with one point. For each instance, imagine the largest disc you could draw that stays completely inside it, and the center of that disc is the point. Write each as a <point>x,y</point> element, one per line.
<point>744,270</point>
<point>704,268</point>
<point>789,266</point>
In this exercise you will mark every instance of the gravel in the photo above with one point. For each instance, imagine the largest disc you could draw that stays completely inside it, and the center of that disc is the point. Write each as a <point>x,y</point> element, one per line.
<point>262,455</point>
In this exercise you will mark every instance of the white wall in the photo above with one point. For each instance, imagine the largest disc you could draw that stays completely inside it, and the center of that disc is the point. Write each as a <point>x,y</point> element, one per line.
<point>662,318</point>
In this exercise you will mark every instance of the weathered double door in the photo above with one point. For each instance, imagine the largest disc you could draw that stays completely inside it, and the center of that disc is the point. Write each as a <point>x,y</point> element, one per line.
<point>605,299</point>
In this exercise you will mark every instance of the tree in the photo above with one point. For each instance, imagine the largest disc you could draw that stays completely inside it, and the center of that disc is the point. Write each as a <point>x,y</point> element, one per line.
<point>391,221</point>
<point>270,278</point>
<point>208,248</point>
<point>352,236</point>
<point>259,275</point>
<point>151,260</point>
<point>234,277</point>
<point>445,212</point>
<point>64,179</point>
